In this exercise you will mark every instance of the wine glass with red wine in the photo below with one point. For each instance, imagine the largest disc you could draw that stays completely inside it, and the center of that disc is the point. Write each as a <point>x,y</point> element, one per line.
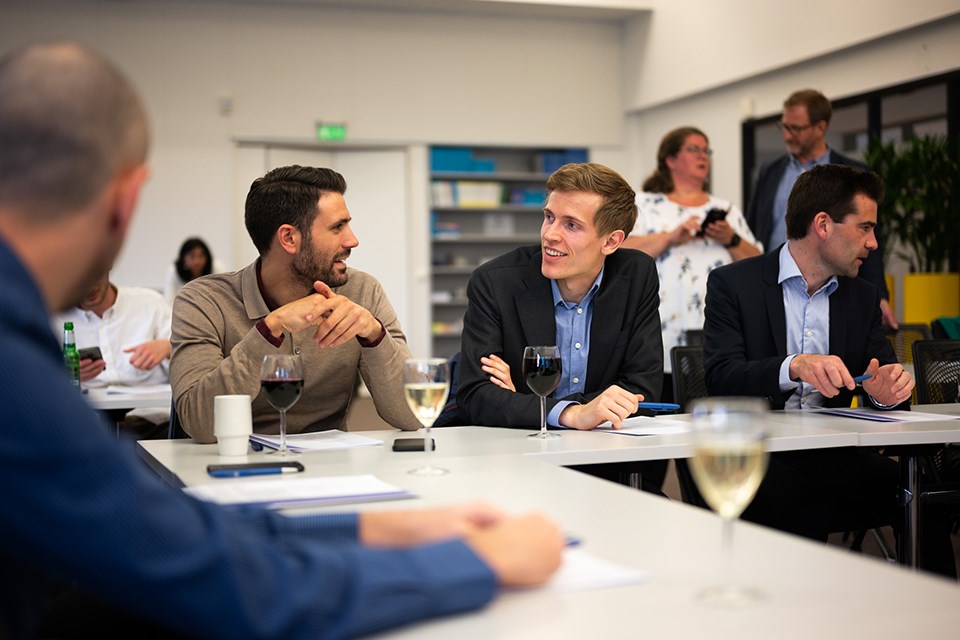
<point>281,379</point>
<point>541,370</point>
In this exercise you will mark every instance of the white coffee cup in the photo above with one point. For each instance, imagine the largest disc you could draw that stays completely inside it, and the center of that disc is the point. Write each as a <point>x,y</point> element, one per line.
<point>232,424</point>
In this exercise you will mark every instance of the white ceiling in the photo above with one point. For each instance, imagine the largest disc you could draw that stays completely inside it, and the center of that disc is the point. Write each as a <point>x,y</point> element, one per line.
<point>607,10</point>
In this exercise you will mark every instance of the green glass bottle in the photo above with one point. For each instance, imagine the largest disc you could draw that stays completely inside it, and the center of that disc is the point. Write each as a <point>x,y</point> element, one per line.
<point>70,355</point>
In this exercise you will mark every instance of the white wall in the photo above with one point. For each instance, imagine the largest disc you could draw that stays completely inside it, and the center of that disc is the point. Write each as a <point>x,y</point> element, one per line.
<point>889,60</point>
<point>686,47</point>
<point>404,76</point>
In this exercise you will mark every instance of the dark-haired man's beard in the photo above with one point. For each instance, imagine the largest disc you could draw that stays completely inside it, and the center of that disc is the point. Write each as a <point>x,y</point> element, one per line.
<point>310,265</point>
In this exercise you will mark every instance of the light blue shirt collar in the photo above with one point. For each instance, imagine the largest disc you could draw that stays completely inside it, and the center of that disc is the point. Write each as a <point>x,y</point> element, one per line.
<point>790,269</point>
<point>558,299</point>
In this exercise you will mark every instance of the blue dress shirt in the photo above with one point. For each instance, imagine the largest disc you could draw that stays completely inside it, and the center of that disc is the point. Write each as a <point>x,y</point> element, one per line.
<point>573,339</point>
<point>808,327</point>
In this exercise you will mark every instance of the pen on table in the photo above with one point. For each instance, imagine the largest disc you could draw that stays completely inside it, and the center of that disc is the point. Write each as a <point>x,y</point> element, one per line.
<point>860,379</point>
<point>658,406</point>
<point>572,541</point>
<point>258,471</point>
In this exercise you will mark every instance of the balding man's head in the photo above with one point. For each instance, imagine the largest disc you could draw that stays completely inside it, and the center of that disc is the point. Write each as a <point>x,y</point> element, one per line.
<point>69,121</point>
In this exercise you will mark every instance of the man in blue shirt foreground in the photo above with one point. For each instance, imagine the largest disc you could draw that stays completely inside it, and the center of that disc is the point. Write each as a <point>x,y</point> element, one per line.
<point>79,509</point>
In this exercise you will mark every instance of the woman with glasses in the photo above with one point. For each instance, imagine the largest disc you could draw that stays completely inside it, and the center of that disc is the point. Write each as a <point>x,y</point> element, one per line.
<point>688,231</point>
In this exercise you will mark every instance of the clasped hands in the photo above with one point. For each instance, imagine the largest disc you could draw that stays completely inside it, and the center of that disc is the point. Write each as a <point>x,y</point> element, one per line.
<point>522,551</point>
<point>613,405</point>
<point>336,317</point>
<point>889,385</point>
<point>718,231</point>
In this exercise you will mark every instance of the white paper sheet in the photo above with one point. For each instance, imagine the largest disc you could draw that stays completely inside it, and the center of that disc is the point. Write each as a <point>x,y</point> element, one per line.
<point>646,426</point>
<point>281,490</point>
<point>581,570</point>
<point>887,416</point>
<point>140,390</point>
<point>317,441</point>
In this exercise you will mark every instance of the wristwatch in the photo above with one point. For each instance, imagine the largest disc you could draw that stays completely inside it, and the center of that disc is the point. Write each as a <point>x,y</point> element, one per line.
<point>734,241</point>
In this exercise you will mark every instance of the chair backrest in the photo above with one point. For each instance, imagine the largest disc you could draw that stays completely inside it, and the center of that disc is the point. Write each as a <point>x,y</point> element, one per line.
<point>903,338</point>
<point>936,365</point>
<point>175,430</point>
<point>689,378</point>
<point>693,336</point>
<point>450,415</point>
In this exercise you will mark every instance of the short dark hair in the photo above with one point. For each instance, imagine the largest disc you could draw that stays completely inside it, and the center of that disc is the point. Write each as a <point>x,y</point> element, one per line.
<point>661,181</point>
<point>818,107</point>
<point>189,245</point>
<point>830,188</point>
<point>287,195</point>
<point>69,121</point>
<point>619,207</point>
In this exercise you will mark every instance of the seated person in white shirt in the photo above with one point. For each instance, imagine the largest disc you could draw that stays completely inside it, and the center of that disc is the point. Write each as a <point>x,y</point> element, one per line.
<point>131,326</point>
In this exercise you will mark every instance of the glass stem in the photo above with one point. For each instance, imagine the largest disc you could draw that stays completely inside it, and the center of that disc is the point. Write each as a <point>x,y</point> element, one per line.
<point>426,444</point>
<point>543,416</point>
<point>283,430</point>
<point>726,546</point>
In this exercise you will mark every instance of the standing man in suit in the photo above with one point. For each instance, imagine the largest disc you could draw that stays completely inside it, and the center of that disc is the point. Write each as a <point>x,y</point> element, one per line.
<point>806,116</point>
<point>794,326</point>
<point>578,290</point>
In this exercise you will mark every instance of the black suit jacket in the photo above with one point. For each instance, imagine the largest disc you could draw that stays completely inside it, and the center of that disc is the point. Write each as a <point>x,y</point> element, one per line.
<point>761,204</point>
<point>745,330</point>
<point>511,307</point>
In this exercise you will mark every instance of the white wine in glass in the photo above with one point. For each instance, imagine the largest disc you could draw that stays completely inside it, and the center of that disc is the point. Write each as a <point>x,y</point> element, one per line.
<point>728,464</point>
<point>426,384</point>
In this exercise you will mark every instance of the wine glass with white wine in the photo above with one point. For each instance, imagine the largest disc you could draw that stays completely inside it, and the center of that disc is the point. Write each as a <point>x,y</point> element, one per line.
<point>426,384</point>
<point>729,462</point>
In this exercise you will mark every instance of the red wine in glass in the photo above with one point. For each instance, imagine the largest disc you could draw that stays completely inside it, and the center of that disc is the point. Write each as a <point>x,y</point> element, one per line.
<point>281,379</point>
<point>282,393</point>
<point>541,370</point>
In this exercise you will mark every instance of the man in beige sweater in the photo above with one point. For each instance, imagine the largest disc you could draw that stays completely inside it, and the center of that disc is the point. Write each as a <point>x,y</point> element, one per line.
<point>297,297</point>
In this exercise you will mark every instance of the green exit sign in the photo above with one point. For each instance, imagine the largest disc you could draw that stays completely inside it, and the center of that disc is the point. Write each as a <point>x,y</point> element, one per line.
<point>335,132</point>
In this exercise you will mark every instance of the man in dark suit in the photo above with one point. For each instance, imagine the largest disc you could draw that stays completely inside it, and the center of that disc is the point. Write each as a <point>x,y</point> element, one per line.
<point>794,326</point>
<point>806,116</point>
<point>578,290</point>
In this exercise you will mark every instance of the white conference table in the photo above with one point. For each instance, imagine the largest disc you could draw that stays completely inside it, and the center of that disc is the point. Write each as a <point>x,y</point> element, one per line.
<point>812,590</point>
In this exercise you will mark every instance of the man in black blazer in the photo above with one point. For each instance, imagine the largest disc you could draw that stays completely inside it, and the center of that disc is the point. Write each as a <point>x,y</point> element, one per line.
<point>578,278</point>
<point>806,116</point>
<point>795,326</point>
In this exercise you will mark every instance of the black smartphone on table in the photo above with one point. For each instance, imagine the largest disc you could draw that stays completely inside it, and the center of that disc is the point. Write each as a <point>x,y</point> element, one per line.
<point>412,444</point>
<point>713,215</point>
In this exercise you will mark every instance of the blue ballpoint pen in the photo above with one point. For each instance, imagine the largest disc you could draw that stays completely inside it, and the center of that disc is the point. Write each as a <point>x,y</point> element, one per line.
<point>256,471</point>
<point>659,407</point>
<point>860,379</point>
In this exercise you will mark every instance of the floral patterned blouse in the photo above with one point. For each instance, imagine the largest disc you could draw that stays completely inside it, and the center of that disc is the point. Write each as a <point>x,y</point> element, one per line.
<point>683,269</point>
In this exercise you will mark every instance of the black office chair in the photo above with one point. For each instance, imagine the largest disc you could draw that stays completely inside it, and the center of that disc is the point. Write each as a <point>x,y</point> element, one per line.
<point>689,383</point>
<point>936,366</point>
<point>451,416</point>
<point>175,430</point>
<point>903,338</point>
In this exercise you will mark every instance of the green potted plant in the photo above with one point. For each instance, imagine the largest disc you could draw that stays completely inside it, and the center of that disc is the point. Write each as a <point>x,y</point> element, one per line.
<point>921,211</point>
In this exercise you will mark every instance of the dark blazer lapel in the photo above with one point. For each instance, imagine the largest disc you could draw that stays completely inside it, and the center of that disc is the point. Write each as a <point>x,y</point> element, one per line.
<point>838,321</point>
<point>535,306</point>
<point>773,299</point>
<point>610,304</point>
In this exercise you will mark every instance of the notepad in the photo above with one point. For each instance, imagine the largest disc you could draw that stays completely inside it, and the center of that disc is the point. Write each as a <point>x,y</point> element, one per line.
<point>646,426</point>
<point>285,491</point>
<point>317,441</point>
<point>886,416</point>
